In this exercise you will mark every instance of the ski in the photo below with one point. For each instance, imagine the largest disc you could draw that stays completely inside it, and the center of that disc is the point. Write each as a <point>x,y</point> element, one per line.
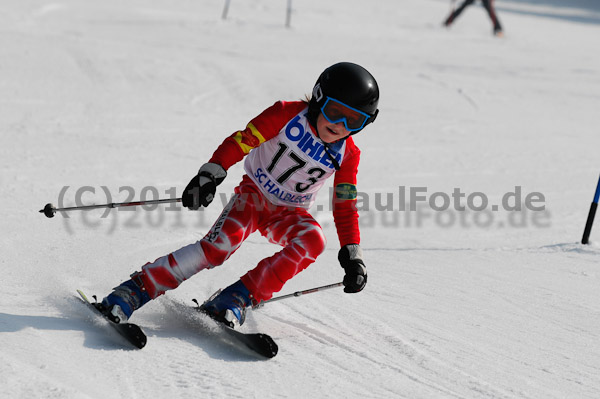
<point>131,332</point>
<point>259,343</point>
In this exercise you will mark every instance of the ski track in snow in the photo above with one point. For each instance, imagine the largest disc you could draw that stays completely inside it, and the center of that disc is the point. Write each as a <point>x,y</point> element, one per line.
<point>112,95</point>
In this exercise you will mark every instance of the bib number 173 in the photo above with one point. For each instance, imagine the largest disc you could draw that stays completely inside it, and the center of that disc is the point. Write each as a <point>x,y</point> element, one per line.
<point>297,164</point>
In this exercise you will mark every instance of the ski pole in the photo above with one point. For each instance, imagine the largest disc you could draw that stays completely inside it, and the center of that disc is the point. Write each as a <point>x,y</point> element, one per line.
<point>288,14</point>
<point>49,210</point>
<point>591,215</point>
<point>299,293</point>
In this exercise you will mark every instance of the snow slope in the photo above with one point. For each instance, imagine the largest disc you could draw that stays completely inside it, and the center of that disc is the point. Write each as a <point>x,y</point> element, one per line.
<point>130,97</point>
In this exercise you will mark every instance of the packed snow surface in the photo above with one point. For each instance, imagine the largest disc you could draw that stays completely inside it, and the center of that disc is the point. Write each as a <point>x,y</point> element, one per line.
<point>467,297</point>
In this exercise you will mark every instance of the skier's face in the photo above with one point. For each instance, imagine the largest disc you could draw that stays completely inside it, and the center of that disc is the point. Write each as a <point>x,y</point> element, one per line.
<point>331,132</point>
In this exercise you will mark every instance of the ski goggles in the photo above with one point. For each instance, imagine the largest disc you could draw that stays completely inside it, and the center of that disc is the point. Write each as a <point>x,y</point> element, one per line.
<point>336,111</point>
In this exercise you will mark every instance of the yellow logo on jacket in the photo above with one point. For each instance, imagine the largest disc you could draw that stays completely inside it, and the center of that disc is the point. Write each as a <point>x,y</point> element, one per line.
<point>248,138</point>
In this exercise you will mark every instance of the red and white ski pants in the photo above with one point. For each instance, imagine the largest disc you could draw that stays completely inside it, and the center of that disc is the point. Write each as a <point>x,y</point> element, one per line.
<point>294,229</point>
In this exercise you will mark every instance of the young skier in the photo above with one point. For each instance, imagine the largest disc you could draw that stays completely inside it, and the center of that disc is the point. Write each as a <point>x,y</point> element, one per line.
<point>291,148</point>
<point>489,6</point>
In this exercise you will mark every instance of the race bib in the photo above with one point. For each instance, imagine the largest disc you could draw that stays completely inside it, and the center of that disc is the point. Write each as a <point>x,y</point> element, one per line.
<point>292,167</point>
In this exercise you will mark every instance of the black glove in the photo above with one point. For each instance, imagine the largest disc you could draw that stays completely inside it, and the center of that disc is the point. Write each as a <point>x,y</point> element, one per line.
<point>350,257</point>
<point>201,190</point>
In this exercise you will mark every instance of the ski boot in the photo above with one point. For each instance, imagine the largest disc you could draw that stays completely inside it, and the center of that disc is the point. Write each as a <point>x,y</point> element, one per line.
<point>228,306</point>
<point>127,297</point>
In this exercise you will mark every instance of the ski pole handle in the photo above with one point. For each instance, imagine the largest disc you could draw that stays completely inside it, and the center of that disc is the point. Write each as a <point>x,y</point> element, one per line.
<point>299,293</point>
<point>49,210</point>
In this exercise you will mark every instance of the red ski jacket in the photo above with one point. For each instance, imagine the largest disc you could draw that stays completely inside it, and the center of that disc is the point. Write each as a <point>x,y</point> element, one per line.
<point>288,162</point>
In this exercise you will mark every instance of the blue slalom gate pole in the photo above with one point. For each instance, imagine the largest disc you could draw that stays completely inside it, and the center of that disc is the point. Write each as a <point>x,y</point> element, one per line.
<point>591,215</point>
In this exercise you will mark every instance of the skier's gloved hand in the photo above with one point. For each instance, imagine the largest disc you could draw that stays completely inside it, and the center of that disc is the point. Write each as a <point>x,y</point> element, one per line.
<point>200,191</point>
<point>350,257</point>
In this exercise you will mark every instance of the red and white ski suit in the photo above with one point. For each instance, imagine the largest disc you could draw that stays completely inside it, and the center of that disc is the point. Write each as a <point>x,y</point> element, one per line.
<point>286,165</point>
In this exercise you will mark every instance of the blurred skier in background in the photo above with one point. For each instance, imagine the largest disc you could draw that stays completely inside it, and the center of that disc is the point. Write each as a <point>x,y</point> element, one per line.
<point>290,149</point>
<point>489,6</point>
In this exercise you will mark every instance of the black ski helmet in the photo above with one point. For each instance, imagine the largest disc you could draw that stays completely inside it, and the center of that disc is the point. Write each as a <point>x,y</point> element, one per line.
<point>349,83</point>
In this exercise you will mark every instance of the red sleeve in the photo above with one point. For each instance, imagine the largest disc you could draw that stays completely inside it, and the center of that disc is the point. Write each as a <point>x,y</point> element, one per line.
<point>345,214</point>
<point>260,129</point>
